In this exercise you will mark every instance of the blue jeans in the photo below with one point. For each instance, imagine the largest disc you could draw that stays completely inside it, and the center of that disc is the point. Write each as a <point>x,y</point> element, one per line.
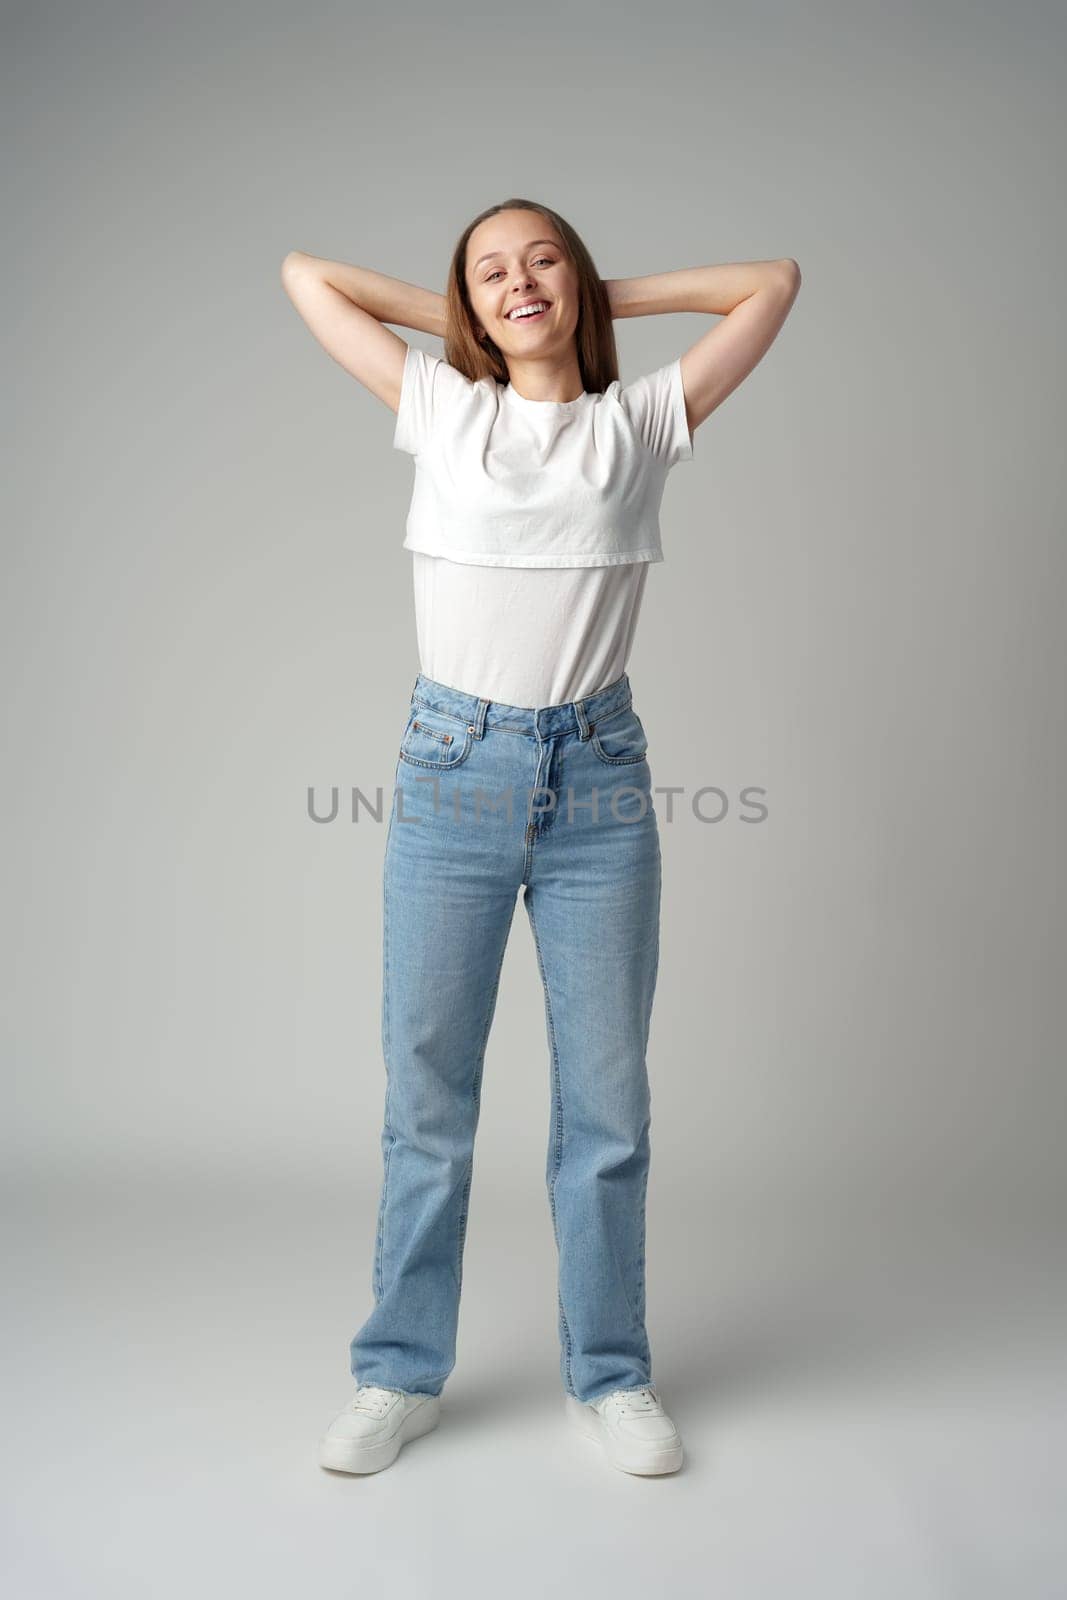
<point>491,799</point>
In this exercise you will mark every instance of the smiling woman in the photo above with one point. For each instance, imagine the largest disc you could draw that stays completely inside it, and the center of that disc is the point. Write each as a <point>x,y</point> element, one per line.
<point>525,257</point>
<point>533,522</point>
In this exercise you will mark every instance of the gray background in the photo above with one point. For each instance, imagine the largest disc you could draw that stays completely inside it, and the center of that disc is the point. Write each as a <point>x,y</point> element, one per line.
<point>855,1210</point>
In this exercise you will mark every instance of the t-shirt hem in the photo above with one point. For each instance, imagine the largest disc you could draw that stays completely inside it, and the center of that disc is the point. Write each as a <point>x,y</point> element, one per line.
<point>578,558</point>
<point>403,432</point>
<point>684,444</point>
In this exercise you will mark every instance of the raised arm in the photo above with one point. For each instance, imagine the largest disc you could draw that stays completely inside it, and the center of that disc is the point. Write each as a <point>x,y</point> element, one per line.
<point>345,307</point>
<point>752,297</point>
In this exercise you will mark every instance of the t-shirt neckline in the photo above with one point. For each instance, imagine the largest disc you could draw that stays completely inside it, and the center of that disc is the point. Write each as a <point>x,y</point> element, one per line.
<point>543,405</point>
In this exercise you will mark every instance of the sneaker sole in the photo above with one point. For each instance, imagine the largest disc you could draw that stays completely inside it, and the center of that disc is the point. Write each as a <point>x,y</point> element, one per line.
<point>645,1461</point>
<point>348,1455</point>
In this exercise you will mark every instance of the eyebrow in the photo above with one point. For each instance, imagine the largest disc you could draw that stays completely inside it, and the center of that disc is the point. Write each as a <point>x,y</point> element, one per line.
<point>530,246</point>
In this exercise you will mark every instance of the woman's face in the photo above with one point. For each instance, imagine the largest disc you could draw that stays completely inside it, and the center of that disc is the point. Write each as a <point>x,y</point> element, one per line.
<point>514,257</point>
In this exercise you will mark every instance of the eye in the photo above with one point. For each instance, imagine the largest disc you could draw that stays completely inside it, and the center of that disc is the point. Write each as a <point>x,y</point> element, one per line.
<point>548,260</point>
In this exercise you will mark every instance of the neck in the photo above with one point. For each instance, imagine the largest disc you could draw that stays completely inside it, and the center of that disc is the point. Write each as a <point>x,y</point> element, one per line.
<point>547,379</point>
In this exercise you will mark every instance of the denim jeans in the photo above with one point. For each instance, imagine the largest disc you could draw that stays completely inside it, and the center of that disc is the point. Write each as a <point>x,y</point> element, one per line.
<point>490,800</point>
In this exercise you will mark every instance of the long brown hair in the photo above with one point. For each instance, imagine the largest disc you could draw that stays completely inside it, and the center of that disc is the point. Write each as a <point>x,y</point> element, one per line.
<point>594,333</point>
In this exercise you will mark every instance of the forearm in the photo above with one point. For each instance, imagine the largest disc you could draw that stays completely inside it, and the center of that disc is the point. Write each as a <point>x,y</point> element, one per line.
<point>389,299</point>
<point>716,289</point>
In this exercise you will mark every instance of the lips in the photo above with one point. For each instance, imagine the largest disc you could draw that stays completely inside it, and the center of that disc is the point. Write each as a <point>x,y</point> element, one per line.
<point>534,316</point>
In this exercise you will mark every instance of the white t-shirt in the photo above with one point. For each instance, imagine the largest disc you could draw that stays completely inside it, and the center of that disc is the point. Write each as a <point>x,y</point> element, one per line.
<point>527,636</point>
<point>532,525</point>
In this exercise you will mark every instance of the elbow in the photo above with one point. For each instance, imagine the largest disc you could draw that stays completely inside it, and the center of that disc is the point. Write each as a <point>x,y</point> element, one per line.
<point>786,280</point>
<point>291,262</point>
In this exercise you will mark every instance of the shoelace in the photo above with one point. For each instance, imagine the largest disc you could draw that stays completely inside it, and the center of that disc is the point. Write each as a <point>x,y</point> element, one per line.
<point>369,1397</point>
<point>635,1399</point>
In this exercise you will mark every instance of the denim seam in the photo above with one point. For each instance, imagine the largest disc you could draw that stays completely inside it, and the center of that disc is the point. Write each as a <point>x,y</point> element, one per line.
<point>598,750</point>
<point>441,766</point>
<point>431,733</point>
<point>428,705</point>
<point>589,704</point>
<point>386,1046</point>
<point>558,1153</point>
<point>611,715</point>
<point>641,1296</point>
<point>416,1394</point>
<point>615,761</point>
<point>634,1388</point>
<point>642,1252</point>
<point>476,1090</point>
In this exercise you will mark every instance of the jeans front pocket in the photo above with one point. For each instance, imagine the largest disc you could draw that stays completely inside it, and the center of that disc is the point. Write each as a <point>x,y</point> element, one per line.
<point>619,739</point>
<point>434,739</point>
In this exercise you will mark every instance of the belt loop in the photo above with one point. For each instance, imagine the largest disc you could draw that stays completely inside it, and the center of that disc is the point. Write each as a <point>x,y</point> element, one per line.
<point>583,720</point>
<point>477,727</point>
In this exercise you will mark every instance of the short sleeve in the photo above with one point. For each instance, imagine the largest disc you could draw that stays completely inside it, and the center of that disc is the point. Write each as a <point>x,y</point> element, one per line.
<point>655,404</point>
<point>428,385</point>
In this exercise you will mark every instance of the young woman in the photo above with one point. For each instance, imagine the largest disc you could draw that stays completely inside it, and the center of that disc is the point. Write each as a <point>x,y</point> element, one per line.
<point>523,768</point>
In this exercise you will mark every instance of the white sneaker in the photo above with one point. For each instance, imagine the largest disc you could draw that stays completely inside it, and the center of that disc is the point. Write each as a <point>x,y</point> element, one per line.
<point>633,1427</point>
<point>366,1436</point>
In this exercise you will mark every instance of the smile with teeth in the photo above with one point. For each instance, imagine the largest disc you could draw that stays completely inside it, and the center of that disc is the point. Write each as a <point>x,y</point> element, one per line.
<point>522,313</point>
